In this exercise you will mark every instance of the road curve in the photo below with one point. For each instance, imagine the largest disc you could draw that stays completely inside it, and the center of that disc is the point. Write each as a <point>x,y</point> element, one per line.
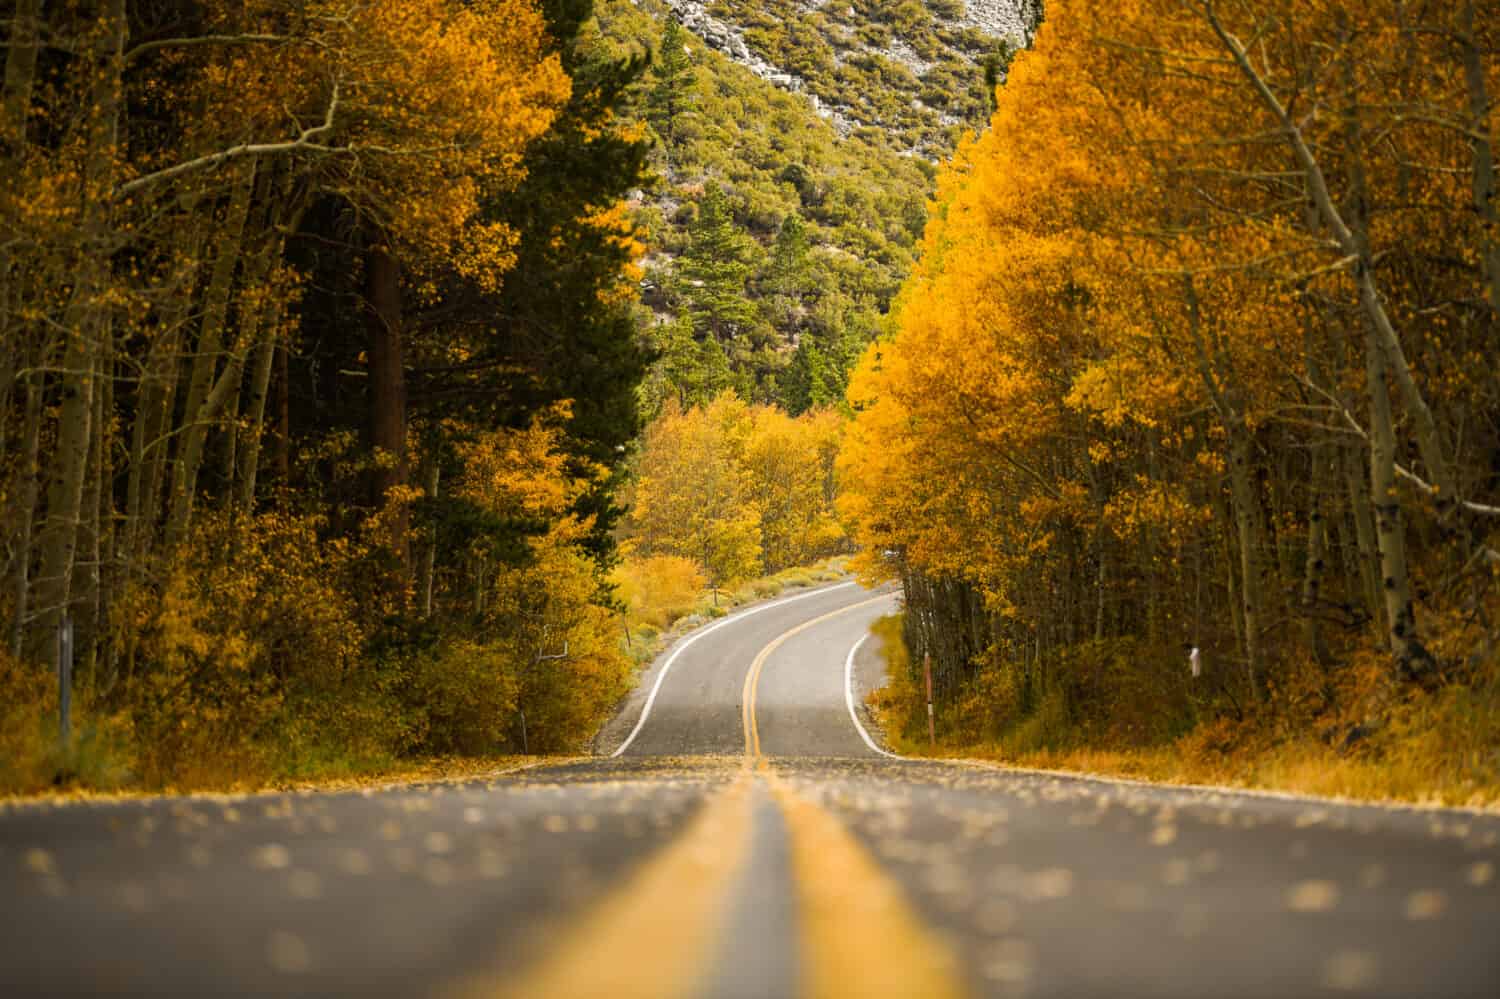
<point>749,841</point>
<point>691,702</point>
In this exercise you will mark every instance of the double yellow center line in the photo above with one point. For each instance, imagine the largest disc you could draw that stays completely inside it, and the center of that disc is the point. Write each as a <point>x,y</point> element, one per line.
<point>752,676</point>
<point>658,933</point>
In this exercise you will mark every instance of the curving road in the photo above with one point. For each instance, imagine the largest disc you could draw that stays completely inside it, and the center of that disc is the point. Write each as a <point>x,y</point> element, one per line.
<point>739,835</point>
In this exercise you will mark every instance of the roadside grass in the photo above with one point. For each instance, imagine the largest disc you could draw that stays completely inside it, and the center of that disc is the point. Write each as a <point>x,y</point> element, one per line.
<point>1431,748</point>
<point>335,775</point>
<point>1303,767</point>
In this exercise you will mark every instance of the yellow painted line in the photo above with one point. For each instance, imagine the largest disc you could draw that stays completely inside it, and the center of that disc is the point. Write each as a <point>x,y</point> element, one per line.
<point>860,936</point>
<point>656,934</point>
<point>752,676</point>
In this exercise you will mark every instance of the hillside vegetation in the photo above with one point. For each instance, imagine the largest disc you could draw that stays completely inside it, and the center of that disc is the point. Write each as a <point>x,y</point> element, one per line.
<point>917,73</point>
<point>775,242</point>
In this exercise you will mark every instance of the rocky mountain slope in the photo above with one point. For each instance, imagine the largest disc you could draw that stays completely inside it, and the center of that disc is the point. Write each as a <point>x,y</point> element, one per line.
<point>913,69</point>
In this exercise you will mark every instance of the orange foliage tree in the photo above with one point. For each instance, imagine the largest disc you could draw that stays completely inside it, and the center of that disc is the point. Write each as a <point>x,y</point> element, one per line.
<point>738,489</point>
<point>1189,357</point>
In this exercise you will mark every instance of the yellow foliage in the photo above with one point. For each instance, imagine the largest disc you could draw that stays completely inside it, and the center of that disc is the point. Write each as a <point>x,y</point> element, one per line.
<point>692,495</point>
<point>28,699</point>
<point>524,473</point>
<point>658,589</point>
<point>232,655</point>
<point>741,490</point>
<point>564,644</point>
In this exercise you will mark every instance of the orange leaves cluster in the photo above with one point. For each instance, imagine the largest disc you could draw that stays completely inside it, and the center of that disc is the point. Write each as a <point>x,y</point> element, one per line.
<point>412,110</point>
<point>445,98</point>
<point>526,473</point>
<point>1045,332</point>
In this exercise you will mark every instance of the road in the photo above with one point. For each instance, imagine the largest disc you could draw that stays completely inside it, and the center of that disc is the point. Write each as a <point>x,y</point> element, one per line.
<point>744,837</point>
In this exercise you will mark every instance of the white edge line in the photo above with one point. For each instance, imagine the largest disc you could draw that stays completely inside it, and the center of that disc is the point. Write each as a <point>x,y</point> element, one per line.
<point>849,700</point>
<point>689,640</point>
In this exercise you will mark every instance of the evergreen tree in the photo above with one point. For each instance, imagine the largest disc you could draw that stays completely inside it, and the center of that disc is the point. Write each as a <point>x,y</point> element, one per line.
<point>713,373</point>
<point>804,386</point>
<point>714,268</point>
<point>834,336</point>
<point>672,92</point>
<point>790,272</point>
<point>561,326</point>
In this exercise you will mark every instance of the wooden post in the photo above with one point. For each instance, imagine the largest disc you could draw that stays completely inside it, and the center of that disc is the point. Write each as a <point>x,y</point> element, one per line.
<point>931,722</point>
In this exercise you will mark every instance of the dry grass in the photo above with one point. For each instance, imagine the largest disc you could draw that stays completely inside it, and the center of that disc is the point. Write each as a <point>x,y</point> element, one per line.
<point>1355,734</point>
<point>437,770</point>
<point>1303,768</point>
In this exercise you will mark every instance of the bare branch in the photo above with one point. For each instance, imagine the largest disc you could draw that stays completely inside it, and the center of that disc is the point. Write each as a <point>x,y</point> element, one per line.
<point>146,48</point>
<point>1483,509</point>
<point>303,141</point>
<point>1429,442</point>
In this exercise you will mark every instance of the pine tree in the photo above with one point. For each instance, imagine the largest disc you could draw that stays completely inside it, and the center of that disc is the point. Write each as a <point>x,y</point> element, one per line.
<point>561,326</point>
<point>672,93</point>
<point>804,383</point>
<point>789,272</point>
<point>713,374</point>
<point>715,267</point>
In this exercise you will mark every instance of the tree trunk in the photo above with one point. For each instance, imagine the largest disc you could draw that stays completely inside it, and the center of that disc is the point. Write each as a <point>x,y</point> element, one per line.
<point>1247,518</point>
<point>1390,534</point>
<point>1483,142</point>
<point>156,397</point>
<point>230,439</point>
<point>1314,565</point>
<point>20,70</point>
<point>266,325</point>
<point>156,452</point>
<point>387,387</point>
<point>260,389</point>
<point>70,461</point>
<point>1242,492</point>
<point>1232,588</point>
<point>206,395</point>
<point>283,419</point>
<point>96,499</point>
<point>30,490</point>
<point>1362,511</point>
<point>84,321</point>
<point>429,548</point>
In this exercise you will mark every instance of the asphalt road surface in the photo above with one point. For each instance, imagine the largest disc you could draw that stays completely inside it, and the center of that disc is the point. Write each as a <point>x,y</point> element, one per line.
<point>740,834</point>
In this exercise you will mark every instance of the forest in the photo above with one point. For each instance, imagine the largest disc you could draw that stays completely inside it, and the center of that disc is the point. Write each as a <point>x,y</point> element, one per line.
<point>326,367</point>
<point>774,244</point>
<point>1186,445</point>
<point>319,367</point>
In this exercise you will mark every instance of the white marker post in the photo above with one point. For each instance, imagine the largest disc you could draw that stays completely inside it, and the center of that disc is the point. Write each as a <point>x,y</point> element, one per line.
<point>64,680</point>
